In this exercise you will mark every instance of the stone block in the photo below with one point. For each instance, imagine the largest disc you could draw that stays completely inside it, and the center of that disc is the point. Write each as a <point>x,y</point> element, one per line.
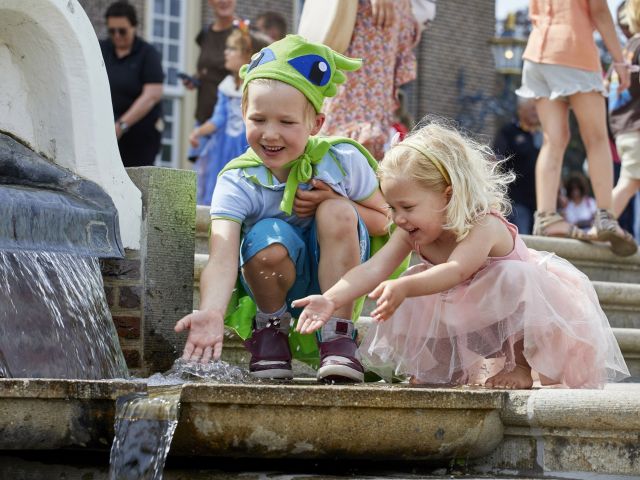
<point>166,256</point>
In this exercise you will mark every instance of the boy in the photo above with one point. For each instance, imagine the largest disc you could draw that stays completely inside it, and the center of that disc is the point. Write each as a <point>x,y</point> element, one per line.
<point>294,210</point>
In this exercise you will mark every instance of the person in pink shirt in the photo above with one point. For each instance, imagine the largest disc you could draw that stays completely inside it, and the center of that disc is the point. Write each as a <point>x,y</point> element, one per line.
<point>562,70</point>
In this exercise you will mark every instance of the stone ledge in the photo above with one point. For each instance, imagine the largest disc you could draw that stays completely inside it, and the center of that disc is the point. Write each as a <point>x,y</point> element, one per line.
<point>594,259</point>
<point>570,433</point>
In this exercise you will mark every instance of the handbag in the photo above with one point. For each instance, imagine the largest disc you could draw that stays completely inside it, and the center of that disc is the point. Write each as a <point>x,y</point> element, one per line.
<point>329,22</point>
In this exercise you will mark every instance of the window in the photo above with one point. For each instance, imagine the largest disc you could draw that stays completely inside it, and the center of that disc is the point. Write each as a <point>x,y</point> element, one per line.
<point>167,35</point>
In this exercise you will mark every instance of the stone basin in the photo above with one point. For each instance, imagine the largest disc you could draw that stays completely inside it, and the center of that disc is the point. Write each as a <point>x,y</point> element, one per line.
<point>296,420</point>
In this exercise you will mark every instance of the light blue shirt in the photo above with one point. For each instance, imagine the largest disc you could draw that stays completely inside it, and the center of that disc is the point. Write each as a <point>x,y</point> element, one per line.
<point>249,195</point>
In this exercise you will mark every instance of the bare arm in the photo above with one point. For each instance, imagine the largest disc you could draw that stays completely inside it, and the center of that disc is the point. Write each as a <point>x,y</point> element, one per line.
<point>604,24</point>
<point>206,326</point>
<point>355,283</point>
<point>207,128</point>
<point>151,94</point>
<point>466,259</point>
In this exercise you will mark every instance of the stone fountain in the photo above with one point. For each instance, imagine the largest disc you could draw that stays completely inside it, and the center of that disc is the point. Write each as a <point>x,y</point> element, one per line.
<point>55,111</point>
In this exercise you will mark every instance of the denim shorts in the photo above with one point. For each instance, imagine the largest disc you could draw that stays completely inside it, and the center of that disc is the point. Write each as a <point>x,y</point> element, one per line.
<point>303,248</point>
<point>557,82</point>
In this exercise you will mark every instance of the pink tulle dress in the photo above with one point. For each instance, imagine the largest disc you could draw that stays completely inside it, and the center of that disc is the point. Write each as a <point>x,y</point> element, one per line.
<point>466,334</point>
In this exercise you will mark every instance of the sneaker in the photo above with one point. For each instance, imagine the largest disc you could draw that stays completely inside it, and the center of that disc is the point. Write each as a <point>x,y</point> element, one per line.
<point>339,358</point>
<point>269,348</point>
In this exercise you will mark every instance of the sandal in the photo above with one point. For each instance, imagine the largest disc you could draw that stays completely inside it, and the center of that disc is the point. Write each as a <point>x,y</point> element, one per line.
<point>607,229</point>
<point>543,220</point>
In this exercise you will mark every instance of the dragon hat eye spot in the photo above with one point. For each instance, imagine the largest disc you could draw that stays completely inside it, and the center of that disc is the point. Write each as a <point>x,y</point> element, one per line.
<point>312,67</point>
<point>265,55</point>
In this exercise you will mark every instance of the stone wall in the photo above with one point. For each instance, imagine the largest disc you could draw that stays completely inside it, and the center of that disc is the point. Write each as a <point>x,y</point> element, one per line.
<point>150,289</point>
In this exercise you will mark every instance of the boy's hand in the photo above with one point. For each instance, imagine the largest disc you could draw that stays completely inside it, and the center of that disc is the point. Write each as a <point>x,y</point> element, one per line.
<point>307,201</point>
<point>206,332</point>
<point>390,295</point>
<point>193,139</point>
<point>317,311</point>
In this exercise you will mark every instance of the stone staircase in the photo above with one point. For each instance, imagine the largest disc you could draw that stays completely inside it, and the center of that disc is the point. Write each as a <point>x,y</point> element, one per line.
<point>615,279</point>
<point>544,432</point>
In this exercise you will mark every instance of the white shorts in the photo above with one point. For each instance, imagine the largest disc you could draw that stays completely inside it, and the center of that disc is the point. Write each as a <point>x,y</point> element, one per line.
<point>557,82</point>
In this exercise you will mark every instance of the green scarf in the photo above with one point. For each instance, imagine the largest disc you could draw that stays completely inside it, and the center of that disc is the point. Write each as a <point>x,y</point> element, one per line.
<point>301,169</point>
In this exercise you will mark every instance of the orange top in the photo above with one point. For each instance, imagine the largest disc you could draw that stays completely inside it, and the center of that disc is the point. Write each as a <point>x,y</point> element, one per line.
<point>562,34</point>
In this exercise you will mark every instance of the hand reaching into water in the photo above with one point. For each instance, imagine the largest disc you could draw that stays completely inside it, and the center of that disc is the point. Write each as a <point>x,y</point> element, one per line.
<point>390,295</point>
<point>317,311</point>
<point>206,332</point>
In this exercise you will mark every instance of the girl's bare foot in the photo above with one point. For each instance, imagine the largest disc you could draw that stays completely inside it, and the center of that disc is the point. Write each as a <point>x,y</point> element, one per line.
<point>517,379</point>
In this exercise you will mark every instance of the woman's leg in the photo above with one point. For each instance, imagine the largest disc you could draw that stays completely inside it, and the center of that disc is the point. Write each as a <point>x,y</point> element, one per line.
<point>624,191</point>
<point>554,118</point>
<point>591,115</point>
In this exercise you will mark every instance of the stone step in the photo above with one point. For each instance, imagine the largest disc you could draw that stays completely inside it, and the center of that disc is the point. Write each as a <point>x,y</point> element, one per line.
<point>620,301</point>
<point>544,433</point>
<point>595,260</point>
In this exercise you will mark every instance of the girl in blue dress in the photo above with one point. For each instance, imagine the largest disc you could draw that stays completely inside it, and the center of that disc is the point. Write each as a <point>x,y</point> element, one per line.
<point>224,133</point>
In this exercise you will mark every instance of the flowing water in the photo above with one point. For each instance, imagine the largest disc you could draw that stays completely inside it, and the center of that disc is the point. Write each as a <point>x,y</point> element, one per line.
<point>143,432</point>
<point>54,319</point>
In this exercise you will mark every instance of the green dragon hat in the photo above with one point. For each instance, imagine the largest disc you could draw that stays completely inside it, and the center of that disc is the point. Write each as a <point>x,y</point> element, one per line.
<point>312,68</point>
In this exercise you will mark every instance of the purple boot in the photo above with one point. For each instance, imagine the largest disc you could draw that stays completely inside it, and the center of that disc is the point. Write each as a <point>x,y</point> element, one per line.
<point>269,348</point>
<point>339,357</point>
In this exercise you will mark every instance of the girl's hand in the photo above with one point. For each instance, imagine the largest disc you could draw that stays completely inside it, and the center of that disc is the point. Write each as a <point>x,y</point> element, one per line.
<point>193,139</point>
<point>390,295</point>
<point>317,311</point>
<point>306,202</point>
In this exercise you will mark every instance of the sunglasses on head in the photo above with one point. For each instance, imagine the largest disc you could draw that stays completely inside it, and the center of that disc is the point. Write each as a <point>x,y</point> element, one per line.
<point>120,31</point>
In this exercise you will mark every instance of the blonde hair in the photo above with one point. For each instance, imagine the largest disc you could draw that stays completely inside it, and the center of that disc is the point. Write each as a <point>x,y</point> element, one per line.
<point>434,151</point>
<point>309,113</point>
<point>632,11</point>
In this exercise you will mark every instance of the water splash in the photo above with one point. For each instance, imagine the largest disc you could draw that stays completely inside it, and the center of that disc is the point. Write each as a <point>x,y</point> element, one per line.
<point>183,371</point>
<point>144,429</point>
<point>54,319</point>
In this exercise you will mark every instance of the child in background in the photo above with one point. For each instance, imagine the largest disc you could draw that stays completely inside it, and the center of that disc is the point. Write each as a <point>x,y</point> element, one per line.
<point>581,207</point>
<point>479,292</point>
<point>224,133</point>
<point>294,213</point>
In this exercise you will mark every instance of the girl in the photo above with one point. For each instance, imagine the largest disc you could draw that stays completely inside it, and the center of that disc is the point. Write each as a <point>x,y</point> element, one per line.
<point>225,129</point>
<point>581,207</point>
<point>479,292</point>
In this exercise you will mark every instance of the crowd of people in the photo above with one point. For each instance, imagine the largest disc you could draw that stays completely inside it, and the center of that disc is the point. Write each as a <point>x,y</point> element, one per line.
<point>305,160</point>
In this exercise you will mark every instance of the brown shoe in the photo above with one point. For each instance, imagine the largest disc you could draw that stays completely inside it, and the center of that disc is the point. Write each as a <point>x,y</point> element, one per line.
<point>607,229</point>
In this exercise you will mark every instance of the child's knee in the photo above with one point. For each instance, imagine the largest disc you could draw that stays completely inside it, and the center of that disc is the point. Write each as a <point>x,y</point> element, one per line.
<point>269,257</point>
<point>337,216</point>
